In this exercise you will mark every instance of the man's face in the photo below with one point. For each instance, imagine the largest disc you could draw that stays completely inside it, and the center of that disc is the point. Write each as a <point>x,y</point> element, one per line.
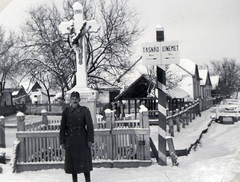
<point>74,101</point>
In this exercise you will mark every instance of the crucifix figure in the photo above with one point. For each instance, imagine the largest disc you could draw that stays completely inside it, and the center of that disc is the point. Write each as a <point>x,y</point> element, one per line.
<point>76,30</point>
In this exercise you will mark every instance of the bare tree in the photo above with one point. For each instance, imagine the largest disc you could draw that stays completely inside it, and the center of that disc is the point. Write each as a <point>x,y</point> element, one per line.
<point>9,59</point>
<point>45,79</point>
<point>45,48</point>
<point>108,52</point>
<point>229,72</point>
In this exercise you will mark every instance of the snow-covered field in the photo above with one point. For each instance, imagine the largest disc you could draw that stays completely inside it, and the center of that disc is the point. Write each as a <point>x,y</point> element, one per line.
<point>216,160</point>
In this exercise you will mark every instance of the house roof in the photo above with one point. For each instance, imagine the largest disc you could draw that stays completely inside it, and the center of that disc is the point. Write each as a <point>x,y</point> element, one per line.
<point>177,92</point>
<point>188,65</point>
<point>184,68</point>
<point>21,91</point>
<point>138,89</point>
<point>35,87</point>
<point>204,74</point>
<point>215,81</point>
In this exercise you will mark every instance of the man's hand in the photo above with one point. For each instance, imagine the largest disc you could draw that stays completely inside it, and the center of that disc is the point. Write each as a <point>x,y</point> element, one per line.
<point>89,144</point>
<point>63,146</point>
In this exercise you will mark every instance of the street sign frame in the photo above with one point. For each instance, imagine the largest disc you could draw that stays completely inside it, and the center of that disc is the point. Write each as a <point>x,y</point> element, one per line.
<point>160,53</point>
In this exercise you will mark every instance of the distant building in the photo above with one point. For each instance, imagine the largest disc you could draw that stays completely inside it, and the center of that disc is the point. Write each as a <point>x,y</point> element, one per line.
<point>20,96</point>
<point>189,80</point>
<point>206,87</point>
<point>7,107</point>
<point>215,80</point>
<point>37,96</point>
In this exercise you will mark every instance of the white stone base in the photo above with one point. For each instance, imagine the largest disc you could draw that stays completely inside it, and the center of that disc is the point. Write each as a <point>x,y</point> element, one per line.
<point>88,98</point>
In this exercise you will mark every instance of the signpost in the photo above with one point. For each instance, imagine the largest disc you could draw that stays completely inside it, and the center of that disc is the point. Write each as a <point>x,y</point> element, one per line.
<point>161,53</point>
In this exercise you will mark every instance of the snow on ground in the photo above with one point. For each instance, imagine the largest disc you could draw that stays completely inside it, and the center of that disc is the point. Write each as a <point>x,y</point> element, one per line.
<point>216,160</point>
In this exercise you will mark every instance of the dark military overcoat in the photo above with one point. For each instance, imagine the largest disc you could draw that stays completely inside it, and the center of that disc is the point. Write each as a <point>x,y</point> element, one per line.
<point>75,131</point>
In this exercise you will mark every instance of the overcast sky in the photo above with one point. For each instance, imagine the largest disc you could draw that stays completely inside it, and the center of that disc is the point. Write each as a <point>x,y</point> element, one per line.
<point>206,29</point>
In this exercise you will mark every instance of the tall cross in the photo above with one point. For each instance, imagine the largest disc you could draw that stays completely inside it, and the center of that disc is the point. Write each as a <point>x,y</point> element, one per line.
<point>76,30</point>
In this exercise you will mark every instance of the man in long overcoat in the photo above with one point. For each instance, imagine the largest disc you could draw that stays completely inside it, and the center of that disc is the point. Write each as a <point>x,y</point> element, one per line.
<point>76,137</point>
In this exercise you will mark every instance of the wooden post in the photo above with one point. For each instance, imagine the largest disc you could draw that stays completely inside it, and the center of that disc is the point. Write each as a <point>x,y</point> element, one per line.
<point>20,121</point>
<point>2,132</point>
<point>144,120</point>
<point>109,125</point>
<point>108,114</point>
<point>177,120</point>
<point>162,121</point>
<point>145,143</point>
<point>187,114</point>
<point>193,110</point>
<point>170,124</point>
<point>183,117</point>
<point>44,117</point>
<point>21,127</point>
<point>190,112</point>
<point>172,152</point>
<point>167,111</point>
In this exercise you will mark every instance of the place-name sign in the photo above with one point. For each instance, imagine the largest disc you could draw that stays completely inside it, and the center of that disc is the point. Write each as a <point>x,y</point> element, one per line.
<point>158,53</point>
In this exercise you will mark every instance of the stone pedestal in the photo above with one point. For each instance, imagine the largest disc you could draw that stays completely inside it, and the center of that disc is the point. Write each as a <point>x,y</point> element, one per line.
<point>88,98</point>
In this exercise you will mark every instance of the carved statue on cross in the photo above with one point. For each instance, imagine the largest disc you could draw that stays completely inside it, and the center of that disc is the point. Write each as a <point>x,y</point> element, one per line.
<point>76,30</point>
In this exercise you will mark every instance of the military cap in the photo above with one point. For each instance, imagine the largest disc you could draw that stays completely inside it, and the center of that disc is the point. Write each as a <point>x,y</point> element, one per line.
<point>75,94</point>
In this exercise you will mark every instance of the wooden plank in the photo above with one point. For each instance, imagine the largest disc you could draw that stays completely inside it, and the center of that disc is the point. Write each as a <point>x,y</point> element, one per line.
<point>132,131</point>
<point>154,149</point>
<point>30,149</point>
<point>37,150</point>
<point>172,152</point>
<point>134,146</point>
<point>44,148</point>
<point>27,149</point>
<point>40,146</point>
<point>55,148</point>
<point>34,149</point>
<point>39,134</point>
<point>146,147</point>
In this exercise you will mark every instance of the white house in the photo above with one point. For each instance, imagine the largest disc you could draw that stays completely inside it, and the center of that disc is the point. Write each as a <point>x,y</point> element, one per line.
<point>187,77</point>
<point>37,96</point>
<point>206,87</point>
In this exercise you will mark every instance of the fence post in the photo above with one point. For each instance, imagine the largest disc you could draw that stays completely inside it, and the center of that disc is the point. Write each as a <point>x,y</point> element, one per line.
<point>144,121</point>
<point>108,115</point>
<point>198,106</point>
<point>145,145</point>
<point>44,117</point>
<point>190,112</point>
<point>187,114</point>
<point>177,120</point>
<point>183,117</point>
<point>21,127</point>
<point>167,112</point>
<point>193,110</point>
<point>20,121</point>
<point>2,132</point>
<point>170,124</point>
